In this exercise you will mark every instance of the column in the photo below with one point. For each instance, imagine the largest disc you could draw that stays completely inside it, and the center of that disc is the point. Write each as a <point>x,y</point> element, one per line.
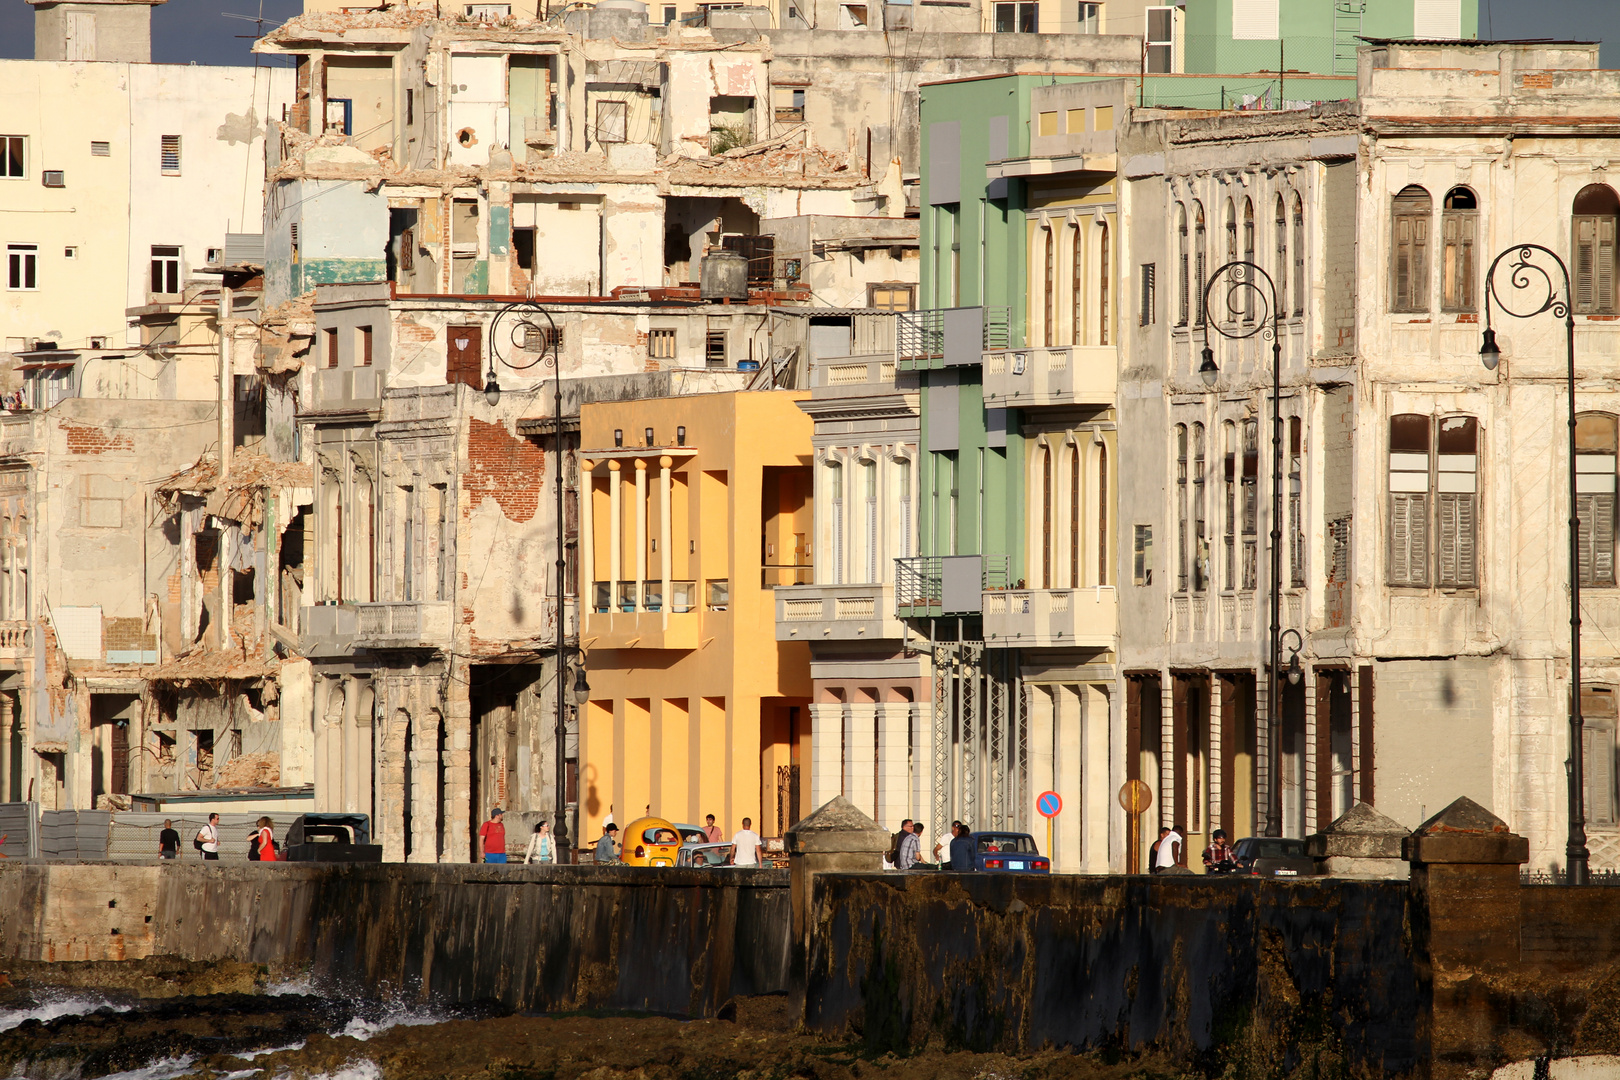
<point>922,763</point>
<point>1069,780</point>
<point>1098,794</point>
<point>615,534</point>
<point>103,741</point>
<point>1217,776</point>
<point>1167,750</point>
<point>641,534</point>
<point>893,788</point>
<point>587,547</point>
<point>457,792</point>
<point>424,793</point>
<point>1305,774</point>
<point>859,753</point>
<point>665,556</point>
<point>350,768</point>
<point>323,786</point>
<point>6,724</point>
<point>826,751</point>
<point>1042,758</point>
<point>1262,750</point>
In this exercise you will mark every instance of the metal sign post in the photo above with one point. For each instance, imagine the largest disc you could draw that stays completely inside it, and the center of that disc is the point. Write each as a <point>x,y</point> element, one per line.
<point>1049,805</point>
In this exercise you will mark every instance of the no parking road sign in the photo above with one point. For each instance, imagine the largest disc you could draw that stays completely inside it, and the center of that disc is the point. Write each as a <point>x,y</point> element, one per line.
<point>1049,805</point>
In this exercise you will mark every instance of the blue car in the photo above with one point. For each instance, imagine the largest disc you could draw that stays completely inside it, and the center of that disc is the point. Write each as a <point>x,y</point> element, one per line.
<point>1005,852</point>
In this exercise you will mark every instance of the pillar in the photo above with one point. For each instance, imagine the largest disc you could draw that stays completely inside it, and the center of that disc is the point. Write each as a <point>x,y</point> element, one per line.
<point>893,787</point>
<point>587,546</point>
<point>1068,779</point>
<point>1042,757</point>
<point>350,766</point>
<point>641,534</point>
<point>922,766</point>
<point>665,556</point>
<point>615,535</point>
<point>1213,817</point>
<point>323,786</point>
<point>1098,794</point>
<point>1167,750</point>
<point>7,723</point>
<point>826,751</point>
<point>1262,750</point>
<point>860,760</point>
<point>424,796</point>
<point>457,794</point>
<point>104,741</point>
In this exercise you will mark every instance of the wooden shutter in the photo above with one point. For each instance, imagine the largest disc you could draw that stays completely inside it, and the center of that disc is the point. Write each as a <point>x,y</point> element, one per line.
<point>1457,524</point>
<point>1595,558</point>
<point>1408,539</point>
<point>1585,262</point>
<point>465,353</point>
<point>1597,745</point>
<point>1603,285</point>
<point>1403,263</point>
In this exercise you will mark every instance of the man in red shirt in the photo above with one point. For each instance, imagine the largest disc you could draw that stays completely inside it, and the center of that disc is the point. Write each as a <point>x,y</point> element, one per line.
<point>493,835</point>
<point>712,831</point>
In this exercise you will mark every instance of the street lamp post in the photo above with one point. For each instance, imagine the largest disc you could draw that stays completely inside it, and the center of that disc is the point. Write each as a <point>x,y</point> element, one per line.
<point>1526,275</point>
<point>1243,284</point>
<point>525,331</point>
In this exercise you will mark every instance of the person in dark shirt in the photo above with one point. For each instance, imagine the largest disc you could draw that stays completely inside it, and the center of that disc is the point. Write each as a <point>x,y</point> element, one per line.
<point>962,849</point>
<point>168,842</point>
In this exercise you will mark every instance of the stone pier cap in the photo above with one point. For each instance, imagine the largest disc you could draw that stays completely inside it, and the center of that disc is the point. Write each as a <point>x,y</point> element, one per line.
<point>1465,832</point>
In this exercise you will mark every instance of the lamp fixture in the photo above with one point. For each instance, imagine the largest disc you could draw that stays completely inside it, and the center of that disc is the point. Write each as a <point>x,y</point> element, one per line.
<point>1489,354</point>
<point>1207,370</point>
<point>680,435</point>
<point>492,389</point>
<point>618,436</point>
<point>648,434</point>
<point>582,688</point>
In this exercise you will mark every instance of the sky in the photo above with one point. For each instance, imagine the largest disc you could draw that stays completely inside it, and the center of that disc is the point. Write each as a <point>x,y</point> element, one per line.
<point>197,31</point>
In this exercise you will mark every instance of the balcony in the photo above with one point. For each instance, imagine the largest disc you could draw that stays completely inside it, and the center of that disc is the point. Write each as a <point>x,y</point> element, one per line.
<point>342,628</point>
<point>949,337</point>
<point>617,621</point>
<point>1066,375</point>
<point>14,639</point>
<point>934,586</point>
<point>836,613</point>
<point>1051,618</point>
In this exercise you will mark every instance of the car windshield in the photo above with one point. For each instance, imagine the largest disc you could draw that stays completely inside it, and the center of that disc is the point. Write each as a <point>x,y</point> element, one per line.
<point>661,836</point>
<point>715,856</point>
<point>1275,849</point>
<point>1013,843</point>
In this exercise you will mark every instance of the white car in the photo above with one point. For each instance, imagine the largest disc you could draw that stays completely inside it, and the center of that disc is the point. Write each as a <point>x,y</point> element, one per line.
<point>704,856</point>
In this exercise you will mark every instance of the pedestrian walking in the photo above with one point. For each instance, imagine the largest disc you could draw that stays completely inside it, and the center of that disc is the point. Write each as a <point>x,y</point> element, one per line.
<point>264,841</point>
<point>745,845</point>
<point>607,847</point>
<point>962,849</point>
<point>712,831</point>
<point>493,835</point>
<point>909,851</point>
<point>1170,854</point>
<point>168,841</point>
<point>540,849</point>
<point>207,838</point>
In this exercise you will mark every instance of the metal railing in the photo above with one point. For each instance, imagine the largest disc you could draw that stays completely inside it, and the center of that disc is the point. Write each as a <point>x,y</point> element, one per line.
<point>923,337</point>
<point>920,582</point>
<point>1606,878</point>
<point>920,335</point>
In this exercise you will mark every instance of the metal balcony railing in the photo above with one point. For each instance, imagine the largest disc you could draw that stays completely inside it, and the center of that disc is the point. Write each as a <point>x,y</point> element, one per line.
<point>950,337</point>
<point>920,335</point>
<point>947,584</point>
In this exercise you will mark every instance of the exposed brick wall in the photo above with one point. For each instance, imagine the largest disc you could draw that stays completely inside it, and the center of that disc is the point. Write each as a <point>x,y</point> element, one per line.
<point>93,440</point>
<point>1338,260</point>
<point>504,468</point>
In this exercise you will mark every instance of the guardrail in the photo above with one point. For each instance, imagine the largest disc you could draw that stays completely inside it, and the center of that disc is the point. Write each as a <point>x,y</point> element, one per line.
<point>946,584</point>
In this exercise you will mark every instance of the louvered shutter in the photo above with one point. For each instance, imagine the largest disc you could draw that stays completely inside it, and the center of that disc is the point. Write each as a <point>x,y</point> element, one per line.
<point>1584,538</point>
<point>1420,264</point>
<point>1408,540</point>
<point>1457,541</point>
<point>1598,752</point>
<point>1585,262</point>
<point>1603,284</point>
<point>1403,263</point>
<point>1603,539</point>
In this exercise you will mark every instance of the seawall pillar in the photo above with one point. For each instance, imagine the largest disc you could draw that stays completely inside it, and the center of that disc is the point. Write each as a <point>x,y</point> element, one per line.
<point>835,838</point>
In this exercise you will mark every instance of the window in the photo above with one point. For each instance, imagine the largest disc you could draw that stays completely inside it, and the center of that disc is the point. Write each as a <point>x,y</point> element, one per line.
<point>1090,20</point>
<point>835,490</point>
<point>1200,568</point>
<point>612,121</point>
<point>1102,283</point>
<point>363,345</point>
<point>1248,256</point>
<point>869,483</point>
<point>215,256</point>
<point>169,155</point>
<point>1184,297</point>
<point>904,478</point>
<point>1280,267</point>
<point>1049,289</point>
<point>340,115</point>
<point>661,344</point>
<point>1149,313</point>
<point>1160,40</point>
<point>1254,20</point>
<point>1251,503</point>
<point>891,296</point>
<point>1299,255</point>
<point>1229,519</point>
<point>100,148</point>
<point>1231,231</point>
<point>1595,447</point>
<point>13,157</point>
<point>1046,517</point>
<point>522,246</point>
<point>165,269</point>
<point>1181,507</point>
<point>410,105</point>
<point>1296,532</point>
<point>714,349</point>
<point>1102,513</point>
<point>49,386</point>
<point>1459,228</point>
<point>790,104</point>
<point>1199,263</point>
<point>671,13</point>
<point>331,346</point>
<point>1411,250</point>
<point>1076,464</point>
<point>1077,277</point>
<point>22,266</point>
<point>1598,713</point>
<point>1444,485</point>
<point>1017,18</point>
<point>1596,210</point>
<point>1142,554</point>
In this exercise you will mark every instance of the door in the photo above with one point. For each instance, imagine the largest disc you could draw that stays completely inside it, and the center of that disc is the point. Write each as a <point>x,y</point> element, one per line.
<point>465,356</point>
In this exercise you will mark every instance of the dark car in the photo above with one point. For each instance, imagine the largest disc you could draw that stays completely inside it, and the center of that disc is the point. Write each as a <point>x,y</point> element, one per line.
<point>1273,856</point>
<point>330,838</point>
<point>1004,852</point>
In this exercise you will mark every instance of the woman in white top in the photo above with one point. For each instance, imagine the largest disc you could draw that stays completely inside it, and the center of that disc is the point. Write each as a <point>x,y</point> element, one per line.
<point>539,849</point>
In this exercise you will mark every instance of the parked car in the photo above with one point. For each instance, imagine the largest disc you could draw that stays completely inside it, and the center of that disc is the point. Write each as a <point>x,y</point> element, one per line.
<point>1004,852</point>
<point>691,834</point>
<point>651,841</point>
<point>330,838</point>
<point>704,856</point>
<point>1273,856</point>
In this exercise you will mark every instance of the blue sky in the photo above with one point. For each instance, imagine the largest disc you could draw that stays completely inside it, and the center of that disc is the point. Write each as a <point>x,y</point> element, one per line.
<point>184,31</point>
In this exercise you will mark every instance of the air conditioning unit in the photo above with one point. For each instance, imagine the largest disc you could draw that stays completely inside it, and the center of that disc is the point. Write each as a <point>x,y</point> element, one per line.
<point>55,178</point>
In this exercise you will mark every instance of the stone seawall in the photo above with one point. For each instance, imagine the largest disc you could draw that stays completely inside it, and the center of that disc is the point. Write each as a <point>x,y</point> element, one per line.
<point>1205,970</point>
<point>543,939</point>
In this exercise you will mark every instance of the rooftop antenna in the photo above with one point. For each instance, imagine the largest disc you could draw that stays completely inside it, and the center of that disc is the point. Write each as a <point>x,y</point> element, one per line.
<point>258,23</point>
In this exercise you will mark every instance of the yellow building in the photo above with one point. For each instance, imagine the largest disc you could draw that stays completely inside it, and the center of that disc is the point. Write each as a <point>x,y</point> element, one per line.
<point>698,507</point>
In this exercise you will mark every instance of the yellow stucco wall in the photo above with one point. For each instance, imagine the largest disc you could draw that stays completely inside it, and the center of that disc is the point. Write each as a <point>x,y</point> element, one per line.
<point>692,713</point>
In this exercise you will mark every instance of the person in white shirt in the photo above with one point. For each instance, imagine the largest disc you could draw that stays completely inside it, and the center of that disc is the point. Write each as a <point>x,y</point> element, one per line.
<point>745,845</point>
<point>208,837</point>
<point>1170,850</point>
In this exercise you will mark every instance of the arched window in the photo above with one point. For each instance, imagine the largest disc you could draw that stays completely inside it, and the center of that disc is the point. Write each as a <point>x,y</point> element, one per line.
<point>1046,517</point>
<point>1200,537</point>
<point>1299,255</point>
<point>1181,507</point>
<point>1077,316</point>
<point>1459,230</point>
<point>1410,250</point>
<point>1185,296</point>
<point>836,477</point>
<point>1200,259</point>
<point>1231,231</point>
<point>1248,256</point>
<point>1102,282</point>
<point>1102,514</point>
<point>1049,330</point>
<point>1076,463</point>
<point>1595,448</point>
<point>1229,519</point>
<point>1280,266</point>
<point>1596,209</point>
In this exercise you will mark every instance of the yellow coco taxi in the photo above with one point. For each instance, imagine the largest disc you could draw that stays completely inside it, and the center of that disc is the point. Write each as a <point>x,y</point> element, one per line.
<point>651,841</point>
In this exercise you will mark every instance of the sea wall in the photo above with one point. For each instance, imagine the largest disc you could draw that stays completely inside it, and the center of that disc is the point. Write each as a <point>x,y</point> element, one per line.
<point>554,938</point>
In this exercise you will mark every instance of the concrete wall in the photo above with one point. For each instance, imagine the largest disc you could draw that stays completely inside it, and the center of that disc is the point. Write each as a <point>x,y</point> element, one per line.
<point>574,937</point>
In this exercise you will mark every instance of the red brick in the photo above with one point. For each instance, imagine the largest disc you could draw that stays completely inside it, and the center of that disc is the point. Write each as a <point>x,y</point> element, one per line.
<point>504,468</point>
